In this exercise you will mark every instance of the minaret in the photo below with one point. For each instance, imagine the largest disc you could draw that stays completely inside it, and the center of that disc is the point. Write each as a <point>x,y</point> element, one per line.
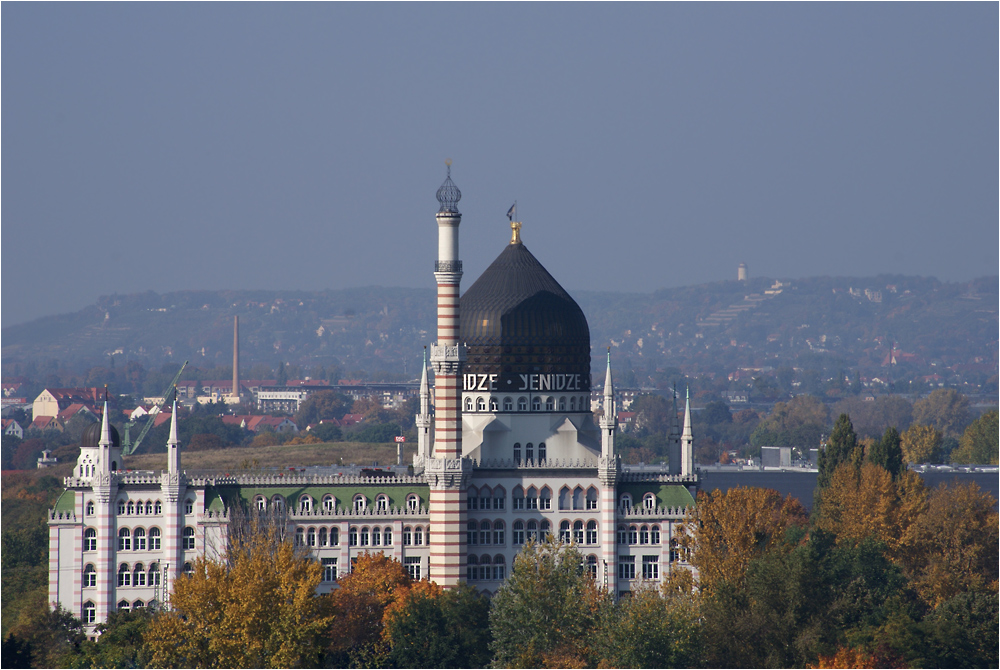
<point>674,439</point>
<point>105,459</point>
<point>173,447</point>
<point>609,422</point>
<point>423,419</point>
<point>608,475</point>
<point>235,395</point>
<point>687,439</point>
<point>447,473</point>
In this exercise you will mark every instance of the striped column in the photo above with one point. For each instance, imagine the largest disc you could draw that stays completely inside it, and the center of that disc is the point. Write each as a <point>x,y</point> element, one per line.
<point>447,541</point>
<point>609,539</point>
<point>106,509</point>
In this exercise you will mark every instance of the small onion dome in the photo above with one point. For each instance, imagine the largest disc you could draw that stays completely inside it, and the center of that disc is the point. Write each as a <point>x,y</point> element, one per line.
<point>448,195</point>
<point>92,436</point>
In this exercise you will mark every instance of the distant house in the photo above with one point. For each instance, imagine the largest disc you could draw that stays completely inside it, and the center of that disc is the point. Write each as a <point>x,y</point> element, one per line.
<point>52,401</point>
<point>76,409</point>
<point>12,427</point>
<point>47,459</point>
<point>46,423</point>
<point>256,423</point>
<point>352,419</point>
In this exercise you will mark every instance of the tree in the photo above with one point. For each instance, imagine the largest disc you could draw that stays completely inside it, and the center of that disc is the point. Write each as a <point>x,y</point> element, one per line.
<point>945,409</point>
<point>951,547</point>
<point>652,414</point>
<point>327,432</point>
<point>841,447</point>
<point>319,406</point>
<point>256,608</point>
<point>726,530</point>
<point>651,630</point>
<point>547,611</point>
<point>716,412</point>
<point>120,644</point>
<point>980,442</point>
<point>887,452</point>
<point>428,627</point>
<point>871,417</point>
<point>797,423</point>
<point>921,444</point>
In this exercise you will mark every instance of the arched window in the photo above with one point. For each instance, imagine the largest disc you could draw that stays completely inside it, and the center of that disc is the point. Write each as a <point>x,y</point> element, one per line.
<point>644,535</point>
<point>413,502</point>
<point>508,405</point>
<point>90,540</point>
<point>532,531</point>
<point>121,507</point>
<point>625,501</point>
<point>499,568</point>
<point>334,537</point>
<point>152,604</point>
<point>329,503</point>
<point>578,532</point>
<point>418,536</point>
<point>472,569</point>
<point>360,503</point>
<point>189,507</point>
<point>564,533</point>
<point>407,536</point>
<point>578,498</point>
<point>545,498</point>
<point>305,504</point>
<point>188,570</point>
<point>124,576</point>
<point>484,532</point>
<point>158,507</point>
<point>472,498</point>
<point>649,501</point>
<point>572,404</point>
<point>592,566</point>
<point>131,508</point>
<point>485,567</point>
<point>531,499</point>
<point>149,507</point>
<point>123,605</point>
<point>154,575</point>
<point>542,453</point>
<point>633,535</point>
<point>468,404</point>
<point>154,539</point>
<point>592,498</point>
<point>565,498</point>
<point>549,404</point>
<point>352,537</point>
<point>562,404</point>
<point>364,536</point>
<point>485,498</point>
<point>89,612</point>
<point>591,532</point>
<point>517,453</point>
<point>260,502</point>
<point>545,531</point>
<point>493,404</point>
<point>471,534</point>
<point>517,497</point>
<point>481,404</point>
<point>674,553</point>
<point>518,533</point>
<point>89,575</point>
<point>536,404</point>
<point>140,539</point>
<point>654,535</point>
<point>188,540</point>
<point>387,536</point>
<point>90,509</point>
<point>622,535</point>
<point>138,507</point>
<point>137,605</point>
<point>382,502</point>
<point>138,575</point>
<point>322,537</point>
<point>498,538</point>
<point>522,404</point>
<point>529,452</point>
<point>376,537</point>
<point>278,502</point>
<point>124,540</point>
<point>311,537</point>
<point>499,496</point>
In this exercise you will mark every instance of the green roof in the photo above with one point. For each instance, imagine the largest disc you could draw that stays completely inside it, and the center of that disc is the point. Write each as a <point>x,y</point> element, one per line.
<point>66,502</point>
<point>667,495</point>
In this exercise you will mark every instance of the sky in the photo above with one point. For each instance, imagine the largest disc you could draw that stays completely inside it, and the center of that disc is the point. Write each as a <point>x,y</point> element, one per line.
<point>282,146</point>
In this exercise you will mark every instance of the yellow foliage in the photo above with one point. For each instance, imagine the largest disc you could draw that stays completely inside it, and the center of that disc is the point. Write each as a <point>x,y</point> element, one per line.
<point>726,530</point>
<point>846,657</point>
<point>920,444</point>
<point>257,608</point>
<point>308,438</point>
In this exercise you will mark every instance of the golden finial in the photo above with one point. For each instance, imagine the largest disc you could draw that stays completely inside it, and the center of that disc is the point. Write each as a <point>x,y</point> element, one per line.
<point>515,232</point>
<point>447,161</point>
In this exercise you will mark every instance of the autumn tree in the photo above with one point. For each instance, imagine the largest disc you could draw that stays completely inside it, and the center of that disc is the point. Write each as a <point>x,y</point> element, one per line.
<point>841,447</point>
<point>945,409</point>
<point>255,608</point>
<point>980,442</point>
<point>546,612</point>
<point>951,547</point>
<point>321,405</point>
<point>921,444</point>
<point>728,529</point>
<point>797,423</point>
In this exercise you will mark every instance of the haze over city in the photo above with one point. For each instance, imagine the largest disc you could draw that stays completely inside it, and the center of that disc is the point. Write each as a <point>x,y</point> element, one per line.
<point>196,146</point>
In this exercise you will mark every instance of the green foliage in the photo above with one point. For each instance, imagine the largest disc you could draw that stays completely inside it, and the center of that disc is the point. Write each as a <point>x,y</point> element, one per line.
<point>327,432</point>
<point>887,452</point>
<point>797,423</point>
<point>716,412</point>
<point>322,405</point>
<point>375,433</point>
<point>962,632</point>
<point>648,630</point>
<point>945,409</point>
<point>448,630</point>
<point>980,442</point>
<point>872,417</point>
<point>841,447</point>
<point>120,644</point>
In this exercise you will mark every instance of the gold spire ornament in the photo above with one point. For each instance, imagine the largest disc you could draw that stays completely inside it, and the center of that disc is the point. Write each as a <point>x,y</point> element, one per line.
<point>515,232</point>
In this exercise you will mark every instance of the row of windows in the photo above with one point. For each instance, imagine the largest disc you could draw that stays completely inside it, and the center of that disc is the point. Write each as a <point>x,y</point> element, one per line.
<point>648,501</point>
<point>375,537</point>
<point>639,535</point>
<point>134,576</point>
<point>329,503</point>
<point>90,609</point>
<point>486,498</point>
<point>129,540</point>
<point>138,507</point>
<point>537,402</point>
<point>650,567</point>
<point>484,568</point>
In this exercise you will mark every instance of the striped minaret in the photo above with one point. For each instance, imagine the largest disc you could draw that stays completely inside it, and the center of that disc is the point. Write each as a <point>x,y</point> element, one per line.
<point>687,439</point>
<point>447,471</point>
<point>105,492</point>
<point>423,419</point>
<point>607,575</point>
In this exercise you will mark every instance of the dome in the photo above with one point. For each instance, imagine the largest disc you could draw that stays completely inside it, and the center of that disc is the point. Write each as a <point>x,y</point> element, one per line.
<point>516,319</point>
<point>92,436</point>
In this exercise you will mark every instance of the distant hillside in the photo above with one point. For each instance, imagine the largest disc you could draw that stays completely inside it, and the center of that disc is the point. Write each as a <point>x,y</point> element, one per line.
<point>820,327</point>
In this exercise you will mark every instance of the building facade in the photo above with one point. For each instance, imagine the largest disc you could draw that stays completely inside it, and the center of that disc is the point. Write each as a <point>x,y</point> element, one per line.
<point>511,453</point>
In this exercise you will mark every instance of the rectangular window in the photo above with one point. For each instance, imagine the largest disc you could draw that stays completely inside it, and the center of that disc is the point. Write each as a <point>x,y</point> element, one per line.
<point>498,503</point>
<point>650,567</point>
<point>518,536</point>
<point>472,502</point>
<point>591,504</point>
<point>545,503</point>
<point>626,567</point>
<point>532,502</point>
<point>498,537</point>
<point>518,503</point>
<point>412,564</point>
<point>329,569</point>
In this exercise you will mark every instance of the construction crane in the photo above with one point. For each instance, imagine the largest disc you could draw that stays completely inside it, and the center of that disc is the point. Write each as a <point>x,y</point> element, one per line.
<point>130,447</point>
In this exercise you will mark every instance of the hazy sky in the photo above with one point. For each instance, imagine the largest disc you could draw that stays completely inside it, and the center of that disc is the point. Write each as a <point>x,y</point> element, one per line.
<point>279,146</point>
